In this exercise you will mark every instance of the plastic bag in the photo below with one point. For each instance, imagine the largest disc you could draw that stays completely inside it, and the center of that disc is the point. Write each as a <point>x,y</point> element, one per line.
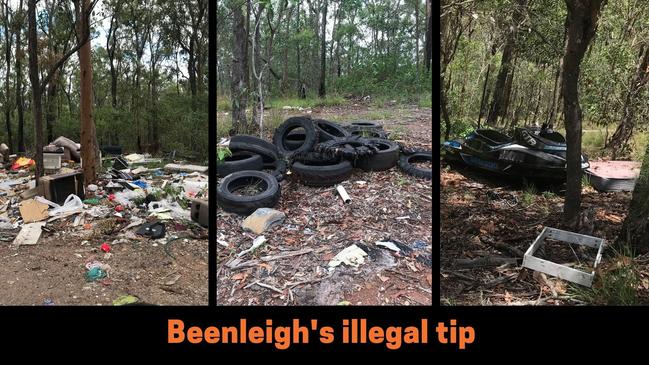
<point>192,188</point>
<point>72,203</point>
<point>173,208</point>
<point>124,197</point>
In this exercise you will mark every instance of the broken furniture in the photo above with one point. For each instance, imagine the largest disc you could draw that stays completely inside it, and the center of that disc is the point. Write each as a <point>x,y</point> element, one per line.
<point>58,187</point>
<point>562,271</point>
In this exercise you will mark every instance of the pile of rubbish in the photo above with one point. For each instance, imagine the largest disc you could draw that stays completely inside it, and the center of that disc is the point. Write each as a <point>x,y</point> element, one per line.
<point>530,152</point>
<point>137,198</point>
<point>315,152</point>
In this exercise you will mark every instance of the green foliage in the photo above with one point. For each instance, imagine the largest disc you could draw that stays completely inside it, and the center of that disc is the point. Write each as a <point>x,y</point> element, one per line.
<point>223,104</point>
<point>381,78</point>
<point>397,132</point>
<point>357,63</point>
<point>425,100</point>
<point>606,71</point>
<point>549,195</point>
<point>460,128</point>
<point>148,99</point>
<point>222,153</point>
<point>617,282</point>
<point>175,193</point>
<point>584,181</point>
<point>310,102</point>
<point>530,193</point>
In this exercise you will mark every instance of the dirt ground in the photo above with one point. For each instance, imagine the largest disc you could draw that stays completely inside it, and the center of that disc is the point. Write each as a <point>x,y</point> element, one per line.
<point>164,271</point>
<point>386,205</point>
<point>486,217</point>
<point>53,270</point>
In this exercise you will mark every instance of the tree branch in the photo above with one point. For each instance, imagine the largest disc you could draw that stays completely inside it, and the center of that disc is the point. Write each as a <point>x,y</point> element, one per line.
<point>64,58</point>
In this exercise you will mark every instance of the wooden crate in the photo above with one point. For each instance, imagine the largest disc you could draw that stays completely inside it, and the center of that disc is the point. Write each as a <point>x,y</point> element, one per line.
<point>558,270</point>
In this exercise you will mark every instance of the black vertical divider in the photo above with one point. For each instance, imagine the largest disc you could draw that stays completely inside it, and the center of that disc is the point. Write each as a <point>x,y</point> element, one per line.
<point>212,152</point>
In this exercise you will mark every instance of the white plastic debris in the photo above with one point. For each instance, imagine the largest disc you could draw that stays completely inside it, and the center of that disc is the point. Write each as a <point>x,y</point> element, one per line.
<point>135,221</point>
<point>343,194</point>
<point>192,188</point>
<point>134,157</point>
<point>224,142</point>
<point>220,239</point>
<point>92,187</point>
<point>389,245</point>
<point>173,209</point>
<point>72,203</point>
<point>124,197</point>
<point>5,223</point>
<point>140,170</point>
<point>255,244</point>
<point>98,211</point>
<point>29,234</point>
<point>352,256</point>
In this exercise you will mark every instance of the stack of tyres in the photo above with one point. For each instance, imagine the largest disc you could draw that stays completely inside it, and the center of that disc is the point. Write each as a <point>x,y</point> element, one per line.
<point>317,152</point>
<point>251,175</point>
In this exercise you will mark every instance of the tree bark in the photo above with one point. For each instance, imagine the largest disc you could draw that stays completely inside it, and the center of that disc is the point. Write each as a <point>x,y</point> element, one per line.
<point>582,20</point>
<point>239,87</point>
<point>50,113</point>
<point>111,47</point>
<point>625,129</point>
<point>154,57</point>
<point>299,63</point>
<point>7,106</point>
<point>141,29</point>
<point>88,134</point>
<point>485,90</point>
<point>429,36</point>
<point>416,2</point>
<point>557,92</point>
<point>284,86</point>
<point>257,65</point>
<point>37,109</point>
<point>20,106</point>
<point>505,74</point>
<point>246,53</point>
<point>635,230</point>
<point>322,91</point>
<point>536,108</point>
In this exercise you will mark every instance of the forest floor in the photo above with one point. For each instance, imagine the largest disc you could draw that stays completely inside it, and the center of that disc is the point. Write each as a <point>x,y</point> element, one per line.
<point>484,217</point>
<point>291,268</point>
<point>163,271</point>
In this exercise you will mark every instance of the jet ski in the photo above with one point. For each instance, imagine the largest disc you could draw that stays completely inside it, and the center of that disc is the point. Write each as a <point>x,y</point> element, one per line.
<point>532,152</point>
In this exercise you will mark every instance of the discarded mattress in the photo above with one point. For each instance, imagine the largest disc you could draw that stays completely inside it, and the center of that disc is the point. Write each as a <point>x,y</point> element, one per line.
<point>613,176</point>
